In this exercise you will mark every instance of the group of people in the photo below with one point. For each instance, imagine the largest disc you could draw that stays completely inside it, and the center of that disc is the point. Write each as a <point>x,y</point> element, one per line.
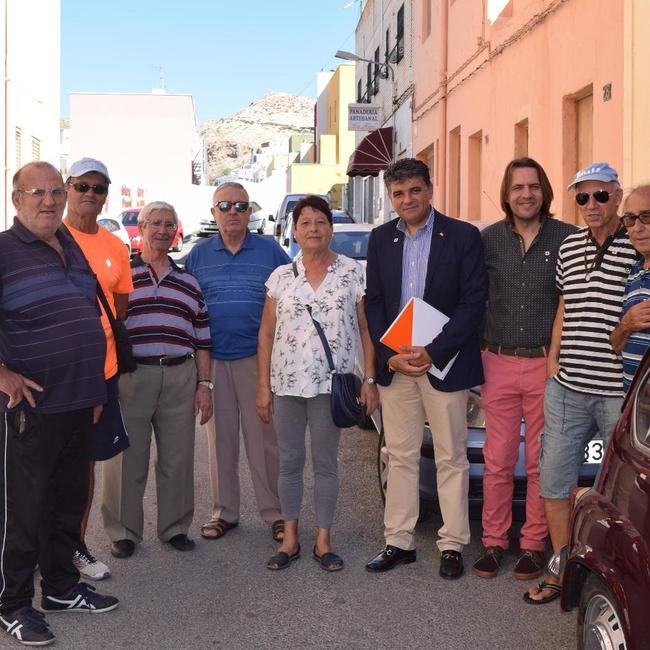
<point>540,314</point>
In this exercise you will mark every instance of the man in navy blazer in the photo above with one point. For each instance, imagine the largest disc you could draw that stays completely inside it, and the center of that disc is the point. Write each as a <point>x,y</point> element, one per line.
<point>427,255</point>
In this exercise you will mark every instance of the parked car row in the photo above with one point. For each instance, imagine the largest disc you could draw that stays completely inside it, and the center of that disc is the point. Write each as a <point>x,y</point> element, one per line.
<point>129,219</point>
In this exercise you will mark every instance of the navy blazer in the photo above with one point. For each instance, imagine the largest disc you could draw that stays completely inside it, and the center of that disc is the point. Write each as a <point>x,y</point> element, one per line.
<point>456,284</point>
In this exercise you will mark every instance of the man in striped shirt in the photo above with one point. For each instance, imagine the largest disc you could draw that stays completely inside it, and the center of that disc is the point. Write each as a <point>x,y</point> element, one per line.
<point>167,321</point>
<point>585,391</point>
<point>632,335</point>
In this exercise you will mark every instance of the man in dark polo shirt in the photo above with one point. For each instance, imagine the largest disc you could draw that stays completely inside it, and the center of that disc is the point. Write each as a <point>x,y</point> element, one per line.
<point>520,255</point>
<point>52,350</point>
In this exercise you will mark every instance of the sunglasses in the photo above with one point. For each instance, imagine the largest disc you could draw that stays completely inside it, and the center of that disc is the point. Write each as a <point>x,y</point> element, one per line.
<point>629,218</point>
<point>602,196</point>
<point>84,187</point>
<point>240,206</point>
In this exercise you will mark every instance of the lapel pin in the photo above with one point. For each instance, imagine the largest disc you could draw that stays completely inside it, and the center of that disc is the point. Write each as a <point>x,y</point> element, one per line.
<point>395,240</point>
<point>442,234</point>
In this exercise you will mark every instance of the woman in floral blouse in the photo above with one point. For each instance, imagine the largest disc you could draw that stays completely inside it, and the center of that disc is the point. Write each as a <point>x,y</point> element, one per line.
<point>294,382</point>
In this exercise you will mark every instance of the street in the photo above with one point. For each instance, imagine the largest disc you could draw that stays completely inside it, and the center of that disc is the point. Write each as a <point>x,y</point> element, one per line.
<point>222,596</point>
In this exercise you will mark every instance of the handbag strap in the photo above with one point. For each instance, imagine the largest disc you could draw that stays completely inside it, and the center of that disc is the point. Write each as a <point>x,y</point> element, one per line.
<point>107,309</point>
<point>319,328</point>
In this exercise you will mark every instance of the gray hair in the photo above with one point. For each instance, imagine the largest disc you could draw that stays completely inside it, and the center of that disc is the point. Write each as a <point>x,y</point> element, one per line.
<point>228,184</point>
<point>152,207</point>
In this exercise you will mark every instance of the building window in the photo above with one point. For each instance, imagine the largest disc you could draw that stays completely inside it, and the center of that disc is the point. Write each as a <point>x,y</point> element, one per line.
<point>19,148</point>
<point>521,139</point>
<point>359,91</point>
<point>474,175</point>
<point>36,149</point>
<point>376,71</point>
<point>454,172</point>
<point>369,81</point>
<point>399,55</point>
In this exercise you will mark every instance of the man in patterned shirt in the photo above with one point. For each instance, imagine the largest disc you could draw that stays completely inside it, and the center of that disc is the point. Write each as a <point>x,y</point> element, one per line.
<point>520,256</point>
<point>585,393</point>
<point>632,335</point>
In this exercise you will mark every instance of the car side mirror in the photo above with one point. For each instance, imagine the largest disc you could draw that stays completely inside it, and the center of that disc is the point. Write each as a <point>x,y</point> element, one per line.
<point>271,217</point>
<point>285,242</point>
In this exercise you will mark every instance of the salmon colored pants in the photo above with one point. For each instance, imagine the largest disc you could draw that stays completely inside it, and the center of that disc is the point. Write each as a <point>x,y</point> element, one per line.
<point>514,388</point>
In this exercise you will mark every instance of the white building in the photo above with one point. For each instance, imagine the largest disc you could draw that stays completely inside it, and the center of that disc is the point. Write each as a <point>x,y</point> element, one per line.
<point>30,44</point>
<point>383,35</point>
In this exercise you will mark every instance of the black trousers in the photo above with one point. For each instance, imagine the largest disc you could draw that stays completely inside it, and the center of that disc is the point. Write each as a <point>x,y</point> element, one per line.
<point>43,492</point>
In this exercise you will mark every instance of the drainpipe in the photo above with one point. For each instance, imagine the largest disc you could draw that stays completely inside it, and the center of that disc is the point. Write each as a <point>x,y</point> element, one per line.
<point>441,199</point>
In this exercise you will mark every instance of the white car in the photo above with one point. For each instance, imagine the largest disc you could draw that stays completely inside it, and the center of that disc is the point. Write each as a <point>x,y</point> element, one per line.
<point>117,228</point>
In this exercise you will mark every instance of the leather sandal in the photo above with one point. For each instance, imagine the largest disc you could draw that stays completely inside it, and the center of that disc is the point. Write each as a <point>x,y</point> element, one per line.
<point>553,587</point>
<point>219,526</point>
<point>277,530</point>
<point>282,560</point>
<point>328,561</point>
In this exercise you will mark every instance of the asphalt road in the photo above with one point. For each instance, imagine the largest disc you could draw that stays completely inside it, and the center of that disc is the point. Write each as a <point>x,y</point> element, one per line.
<point>221,595</point>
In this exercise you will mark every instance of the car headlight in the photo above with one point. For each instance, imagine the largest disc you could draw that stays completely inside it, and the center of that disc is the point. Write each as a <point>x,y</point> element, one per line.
<point>135,239</point>
<point>475,414</point>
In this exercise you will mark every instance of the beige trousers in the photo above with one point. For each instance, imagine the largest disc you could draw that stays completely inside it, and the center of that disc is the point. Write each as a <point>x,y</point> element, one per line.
<point>158,398</point>
<point>406,403</point>
<point>235,385</point>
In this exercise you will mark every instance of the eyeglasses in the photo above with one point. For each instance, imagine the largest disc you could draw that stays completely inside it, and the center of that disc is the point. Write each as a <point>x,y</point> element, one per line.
<point>84,187</point>
<point>39,193</point>
<point>168,225</point>
<point>602,196</point>
<point>240,206</point>
<point>629,218</point>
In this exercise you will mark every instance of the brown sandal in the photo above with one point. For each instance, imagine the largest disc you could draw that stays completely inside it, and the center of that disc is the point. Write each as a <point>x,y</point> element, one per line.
<point>219,526</point>
<point>277,529</point>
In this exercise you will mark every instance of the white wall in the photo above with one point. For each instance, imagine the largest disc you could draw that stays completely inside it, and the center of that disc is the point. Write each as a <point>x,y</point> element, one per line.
<point>30,89</point>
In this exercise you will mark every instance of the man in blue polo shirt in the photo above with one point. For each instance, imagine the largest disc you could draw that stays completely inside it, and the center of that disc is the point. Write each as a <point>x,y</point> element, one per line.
<point>231,268</point>
<point>52,350</point>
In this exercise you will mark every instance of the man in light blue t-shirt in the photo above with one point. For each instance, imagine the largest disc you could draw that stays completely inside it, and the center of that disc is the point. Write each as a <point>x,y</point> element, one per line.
<point>632,335</point>
<point>232,268</point>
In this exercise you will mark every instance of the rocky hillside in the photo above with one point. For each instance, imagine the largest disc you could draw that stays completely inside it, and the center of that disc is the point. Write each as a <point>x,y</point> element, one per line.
<point>271,118</point>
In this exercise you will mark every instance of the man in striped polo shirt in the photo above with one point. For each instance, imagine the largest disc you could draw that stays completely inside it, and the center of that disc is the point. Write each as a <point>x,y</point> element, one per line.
<point>167,321</point>
<point>632,335</point>
<point>52,350</point>
<point>585,391</point>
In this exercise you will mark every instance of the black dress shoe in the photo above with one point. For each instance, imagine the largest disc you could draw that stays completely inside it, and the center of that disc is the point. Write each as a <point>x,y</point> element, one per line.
<point>182,542</point>
<point>451,565</point>
<point>389,558</point>
<point>122,548</point>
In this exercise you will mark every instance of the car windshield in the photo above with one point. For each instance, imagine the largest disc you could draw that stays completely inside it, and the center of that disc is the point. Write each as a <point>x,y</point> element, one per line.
<point>109,224</point>
<point>130,218</point>
<point>290,206</point>
<point>341,217</point>
<point>352,244</point>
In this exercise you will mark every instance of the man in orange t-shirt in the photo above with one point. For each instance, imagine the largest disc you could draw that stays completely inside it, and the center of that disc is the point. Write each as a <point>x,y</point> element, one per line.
<point>108,257</point>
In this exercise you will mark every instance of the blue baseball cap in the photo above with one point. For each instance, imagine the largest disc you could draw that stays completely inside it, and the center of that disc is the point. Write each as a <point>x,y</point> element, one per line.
<point>600,171</point>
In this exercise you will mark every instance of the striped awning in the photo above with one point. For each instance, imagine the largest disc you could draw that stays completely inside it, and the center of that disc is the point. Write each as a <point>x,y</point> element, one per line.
<point>373,154</point>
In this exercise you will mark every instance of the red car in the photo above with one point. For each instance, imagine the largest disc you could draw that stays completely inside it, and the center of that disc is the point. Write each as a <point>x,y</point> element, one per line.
<point>129,219</point>
<point>607,572</point>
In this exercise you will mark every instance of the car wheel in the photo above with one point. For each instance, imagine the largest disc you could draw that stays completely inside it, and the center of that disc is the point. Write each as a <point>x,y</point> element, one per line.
<point>179,244</point>
<point>599,621</point>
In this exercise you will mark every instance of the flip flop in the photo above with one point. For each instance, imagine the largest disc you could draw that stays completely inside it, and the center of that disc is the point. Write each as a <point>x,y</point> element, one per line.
<point>219,526</point>
<point>282,560</point>
<point>328,561</point>
<point>554,588</point>
<point>277,530</point>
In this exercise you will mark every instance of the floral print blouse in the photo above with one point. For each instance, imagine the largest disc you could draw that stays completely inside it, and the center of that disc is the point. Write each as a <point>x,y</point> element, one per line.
<point>298,362</point>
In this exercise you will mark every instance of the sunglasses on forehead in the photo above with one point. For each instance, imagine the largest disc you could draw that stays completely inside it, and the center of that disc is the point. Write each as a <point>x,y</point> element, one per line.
<point>602,196</point>
<point>224,206</point>
<point>84,187</point>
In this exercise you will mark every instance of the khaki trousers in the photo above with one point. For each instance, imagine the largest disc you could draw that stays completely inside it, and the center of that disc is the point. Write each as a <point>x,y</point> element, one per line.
<point>235,385</point>
<point>162,398</point>
<point>406,403</point>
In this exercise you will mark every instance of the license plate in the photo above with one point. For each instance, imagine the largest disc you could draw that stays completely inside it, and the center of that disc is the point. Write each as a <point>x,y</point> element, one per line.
<point>594,451</point>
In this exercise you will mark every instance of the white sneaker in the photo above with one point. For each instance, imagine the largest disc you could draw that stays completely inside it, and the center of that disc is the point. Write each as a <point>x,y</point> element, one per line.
<point>88,565</point>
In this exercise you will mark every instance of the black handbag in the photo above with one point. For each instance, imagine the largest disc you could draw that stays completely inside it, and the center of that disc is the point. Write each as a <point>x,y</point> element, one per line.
<point>123,349</point>
<point>345,399</point>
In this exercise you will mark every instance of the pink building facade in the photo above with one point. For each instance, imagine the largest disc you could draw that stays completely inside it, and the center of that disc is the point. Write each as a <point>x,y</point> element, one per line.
<point>497,79</point>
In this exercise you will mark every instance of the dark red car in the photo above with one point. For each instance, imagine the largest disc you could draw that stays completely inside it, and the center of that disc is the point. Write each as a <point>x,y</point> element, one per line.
<point>607,573</point>
<point>129,219</point>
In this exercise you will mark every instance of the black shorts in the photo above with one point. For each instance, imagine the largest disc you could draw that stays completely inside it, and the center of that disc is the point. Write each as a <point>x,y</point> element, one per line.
<point>109,436</point>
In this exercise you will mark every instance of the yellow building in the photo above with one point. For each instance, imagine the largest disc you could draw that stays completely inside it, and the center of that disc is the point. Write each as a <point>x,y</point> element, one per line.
<point>334,143</point>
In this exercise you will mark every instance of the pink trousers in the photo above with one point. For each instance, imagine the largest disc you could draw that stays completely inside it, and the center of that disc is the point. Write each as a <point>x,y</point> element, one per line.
<point>514,388</point>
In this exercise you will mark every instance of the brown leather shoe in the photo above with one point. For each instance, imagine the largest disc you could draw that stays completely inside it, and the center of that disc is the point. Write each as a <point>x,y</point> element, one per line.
<point>488,563</point>
<point>530,565</point>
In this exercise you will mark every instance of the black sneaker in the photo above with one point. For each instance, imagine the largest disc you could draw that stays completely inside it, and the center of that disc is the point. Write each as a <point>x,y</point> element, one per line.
<point>83,599</point>
<point>488,563</point>
<point>27,626</point>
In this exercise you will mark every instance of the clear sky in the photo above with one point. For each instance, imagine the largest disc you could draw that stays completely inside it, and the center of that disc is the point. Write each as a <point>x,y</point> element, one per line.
<point>226,53</point>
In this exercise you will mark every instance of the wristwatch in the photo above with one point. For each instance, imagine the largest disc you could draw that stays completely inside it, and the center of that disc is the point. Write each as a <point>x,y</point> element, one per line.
<point>206,382</point>
<point>370,380</point>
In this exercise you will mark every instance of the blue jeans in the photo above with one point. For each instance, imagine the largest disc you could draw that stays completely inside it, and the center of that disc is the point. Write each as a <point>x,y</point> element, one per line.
<point>571,420</point>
